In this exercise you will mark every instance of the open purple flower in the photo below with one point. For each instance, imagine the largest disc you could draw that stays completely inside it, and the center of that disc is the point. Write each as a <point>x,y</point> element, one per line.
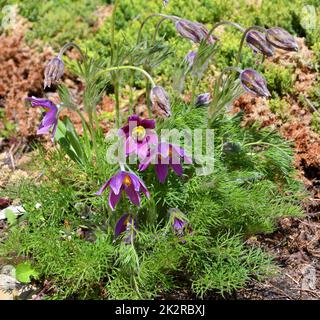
<point>254,83</point>
<point>163,156</point>
<point>50,120</point>
<point>281,39</point>
<point>258,43</point>
<point>126,224</point>
<point>125,181</point>
<point>139,135</point>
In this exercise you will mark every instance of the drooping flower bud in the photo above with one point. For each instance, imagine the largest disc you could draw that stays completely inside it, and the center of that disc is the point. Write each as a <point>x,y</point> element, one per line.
<point>203,99</point>
<point>281,39</point>
<point>254,83</point>
<point>258,43</point>
<point>193,31</point>
<point>160,101</point>
<point>53,71</point>
<point>189,58</point>
<point>180,224</point>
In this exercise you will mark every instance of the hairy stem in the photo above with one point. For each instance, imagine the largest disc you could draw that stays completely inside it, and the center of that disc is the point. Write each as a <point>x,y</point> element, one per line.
<point>238,59</point>
<point>113,22</point>
<point>67,46</point>
<point>172,18</point>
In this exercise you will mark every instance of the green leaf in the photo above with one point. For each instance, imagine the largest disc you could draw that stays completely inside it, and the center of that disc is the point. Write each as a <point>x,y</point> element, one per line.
<point>11,216</point>
<point>24,272</point>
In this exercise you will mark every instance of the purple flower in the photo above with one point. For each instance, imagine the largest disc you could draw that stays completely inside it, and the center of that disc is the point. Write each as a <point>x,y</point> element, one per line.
<point>281,39</point>
<point>179,223</point>
<point>53,71</point>
<point>203,99</point>
<point>160,101</point>
<point>254,83</point>
<point>126,224</point>
<point>124,181</point>
<point>258,43</point>
<point>139,135</point>
<point>194,31</point>
<point>189,58</point>
<point>163,155</point>
<point>50,120</point>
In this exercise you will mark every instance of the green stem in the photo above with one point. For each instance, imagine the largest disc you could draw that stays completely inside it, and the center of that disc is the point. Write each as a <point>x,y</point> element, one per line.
<point>230,23</point>
<point>131,68</point>
<point>265,143</point>
<point>131,100</point>
<point>113,22</point>
<point>244,38</point>
<point>157,29</point>
<point>67,46</point>
<point>117,98</point>
<point>90,129</point>
<point>172,18</point>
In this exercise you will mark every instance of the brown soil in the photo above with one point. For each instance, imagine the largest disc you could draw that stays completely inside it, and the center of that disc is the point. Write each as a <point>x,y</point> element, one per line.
<point>296,244</point>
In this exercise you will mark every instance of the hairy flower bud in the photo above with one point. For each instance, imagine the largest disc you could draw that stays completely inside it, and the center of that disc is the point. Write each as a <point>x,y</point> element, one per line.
<point>193,31</point>
<point>160,101</point>
<point>258,43</point>
<point>53,71</point>
<point>203,99</point>
<point>189,58</point>
<point>281,39</point>
<point>254,83</point>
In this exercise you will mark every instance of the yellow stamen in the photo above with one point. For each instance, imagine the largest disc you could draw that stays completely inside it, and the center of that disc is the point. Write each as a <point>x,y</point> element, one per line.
<point>138,133</point>
<point>127,181</point>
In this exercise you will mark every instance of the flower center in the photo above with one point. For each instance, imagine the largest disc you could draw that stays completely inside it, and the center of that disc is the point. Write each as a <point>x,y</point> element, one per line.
<point>139,133</point>
<point>127,181</point>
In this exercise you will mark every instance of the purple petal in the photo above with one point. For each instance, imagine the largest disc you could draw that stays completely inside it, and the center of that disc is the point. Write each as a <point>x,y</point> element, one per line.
<point>177,168</point>
<point>131,146</point>
<point>161,171</point>
<point>143,150</point>
<point>148,123</point>
<point>113,199</point>
<point>121,225</point>
<point>116,182</point>
<point>151,137</point>
<point>133,195</point>
<point>45,103</point>
<point>104,187</point>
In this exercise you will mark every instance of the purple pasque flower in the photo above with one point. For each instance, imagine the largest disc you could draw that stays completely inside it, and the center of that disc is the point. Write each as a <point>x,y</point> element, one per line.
<point>258,43</point>
<point>179,223</point>
<point>189,58</point>
<point>254,83</point>
<point>125,181</point>
<point>281,39</point>
<point>160,101</point>
<point>126,224</point>
<point>139,135</point>
<point>53,72</point>
<point>50,120</point>
<point>194,31</point>
<point>203,99</point>
<point>163,156</point>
